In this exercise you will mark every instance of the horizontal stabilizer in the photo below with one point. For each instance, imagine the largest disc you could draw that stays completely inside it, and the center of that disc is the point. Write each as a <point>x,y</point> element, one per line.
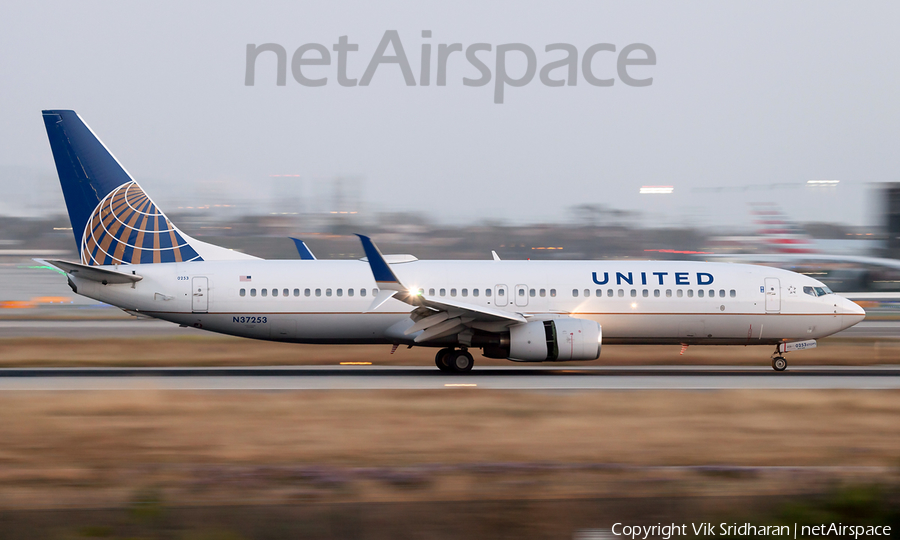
<point>93,273</point>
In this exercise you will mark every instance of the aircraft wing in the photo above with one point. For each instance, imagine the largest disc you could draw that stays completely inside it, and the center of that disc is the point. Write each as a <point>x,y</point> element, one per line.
<point>433,317</point>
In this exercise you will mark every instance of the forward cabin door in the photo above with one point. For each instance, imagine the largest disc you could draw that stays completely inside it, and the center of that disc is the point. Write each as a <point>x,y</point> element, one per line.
<point>521,295</point>
<point>500,296</point>
<point>200,294</point>
<point>773,295</point>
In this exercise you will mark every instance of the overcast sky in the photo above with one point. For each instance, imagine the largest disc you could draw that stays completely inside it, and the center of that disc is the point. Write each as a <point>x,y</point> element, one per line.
<point>749,101</point>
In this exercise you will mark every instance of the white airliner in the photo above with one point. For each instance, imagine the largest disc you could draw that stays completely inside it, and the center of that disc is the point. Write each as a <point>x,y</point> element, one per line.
<point>133,257</point>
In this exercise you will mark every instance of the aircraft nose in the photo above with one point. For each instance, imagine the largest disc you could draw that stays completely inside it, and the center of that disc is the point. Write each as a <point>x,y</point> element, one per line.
<point>852,312</point>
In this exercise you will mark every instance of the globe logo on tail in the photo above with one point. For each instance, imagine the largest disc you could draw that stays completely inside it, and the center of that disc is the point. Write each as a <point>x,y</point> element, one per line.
<point>128,228</point>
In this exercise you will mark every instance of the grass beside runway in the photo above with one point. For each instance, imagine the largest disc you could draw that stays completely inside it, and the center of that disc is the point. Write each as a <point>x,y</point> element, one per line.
<point>102,449</point>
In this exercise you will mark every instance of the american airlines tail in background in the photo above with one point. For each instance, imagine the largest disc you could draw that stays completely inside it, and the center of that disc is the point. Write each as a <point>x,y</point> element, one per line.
<point>133,257</point>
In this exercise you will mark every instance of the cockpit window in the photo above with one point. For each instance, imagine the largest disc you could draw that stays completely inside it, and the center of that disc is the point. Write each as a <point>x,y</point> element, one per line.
<point>817,291</point>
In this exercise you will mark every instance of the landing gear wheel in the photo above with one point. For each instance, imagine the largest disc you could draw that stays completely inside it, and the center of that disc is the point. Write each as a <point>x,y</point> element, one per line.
<point>441,359</point>
<point>779,363</point>
<point>460,361</point>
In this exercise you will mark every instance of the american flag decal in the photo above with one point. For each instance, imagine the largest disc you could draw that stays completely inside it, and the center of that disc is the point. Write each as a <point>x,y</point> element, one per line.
<point>245,278</point>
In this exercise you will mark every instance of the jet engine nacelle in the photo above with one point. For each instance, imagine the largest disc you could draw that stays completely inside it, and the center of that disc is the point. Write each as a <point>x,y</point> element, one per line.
<point>555,340</point>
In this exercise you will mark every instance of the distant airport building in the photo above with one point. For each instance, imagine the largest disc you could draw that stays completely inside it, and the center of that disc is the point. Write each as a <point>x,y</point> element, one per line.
<point>891,197</point>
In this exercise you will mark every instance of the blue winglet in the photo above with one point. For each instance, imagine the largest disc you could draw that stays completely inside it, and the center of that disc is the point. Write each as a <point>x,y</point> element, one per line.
<point>303,250</point>
<point>380,269</point>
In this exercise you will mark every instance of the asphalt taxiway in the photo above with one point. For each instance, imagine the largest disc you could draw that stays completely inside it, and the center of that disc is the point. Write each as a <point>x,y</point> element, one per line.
<point>422,378</point>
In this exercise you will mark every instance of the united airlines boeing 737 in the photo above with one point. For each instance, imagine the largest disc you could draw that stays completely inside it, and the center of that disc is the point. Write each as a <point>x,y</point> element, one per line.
<point>133,257</point>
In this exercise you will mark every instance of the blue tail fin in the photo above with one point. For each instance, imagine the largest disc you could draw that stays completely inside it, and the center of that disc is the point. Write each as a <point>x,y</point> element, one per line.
<point>113,220</point>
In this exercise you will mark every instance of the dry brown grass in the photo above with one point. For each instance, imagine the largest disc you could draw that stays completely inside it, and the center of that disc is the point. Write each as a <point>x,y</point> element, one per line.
<point>216,350</point>
<point>95,448</point>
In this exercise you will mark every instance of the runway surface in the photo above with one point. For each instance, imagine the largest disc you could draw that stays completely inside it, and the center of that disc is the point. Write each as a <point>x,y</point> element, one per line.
<point>501,378</point>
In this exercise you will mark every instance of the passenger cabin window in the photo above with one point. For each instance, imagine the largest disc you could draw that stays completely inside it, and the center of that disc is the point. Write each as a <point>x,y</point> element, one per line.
<point>243,292</point>
<point>679,293</point>
<point>532,292</point>
<point>553,293</point>
<point>721,293</point>
<point>700,293</point>
<point>443,292</point>
<point>575,292</point>
<point>349,292</point>
<point>501,292</point>
<point>252,292</point>
<point>265,292</point>
<point>362,292</point>
<point>421,292</point>
<point>296,292</point>
<point>609,292</point>
<point>430,292</point>
<point>487,292</point>
<point>621,293</point>
<point>340,292</point>
<point>645,293</point>
<point>733,293</point>
<point>668,293</point>
<point>712,293</point>
<point>656,293</point>
<point>598,293</point>
<point>318,292</point>
<point>285,292</point>
<point>274,292</point>
<point>634,293</point>
<point>543,293</point>
<point>465,292</point>
<point>374,292</point>
<point>452,292</point>
<point>306,292</point>
<point>587,292</point>
<point>690,293</point>
<point>475,292</point>
<point>327,292</point>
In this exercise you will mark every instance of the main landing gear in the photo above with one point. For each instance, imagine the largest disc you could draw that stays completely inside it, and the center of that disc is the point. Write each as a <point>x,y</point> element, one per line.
<point>454,361</point>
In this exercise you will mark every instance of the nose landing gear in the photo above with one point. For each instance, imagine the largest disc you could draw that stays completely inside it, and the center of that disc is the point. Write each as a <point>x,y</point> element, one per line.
<point>779,363</point>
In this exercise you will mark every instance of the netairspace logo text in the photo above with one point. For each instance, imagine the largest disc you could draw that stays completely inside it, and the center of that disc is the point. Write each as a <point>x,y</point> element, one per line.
<point>667,531</point>
<point>310,64</point>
